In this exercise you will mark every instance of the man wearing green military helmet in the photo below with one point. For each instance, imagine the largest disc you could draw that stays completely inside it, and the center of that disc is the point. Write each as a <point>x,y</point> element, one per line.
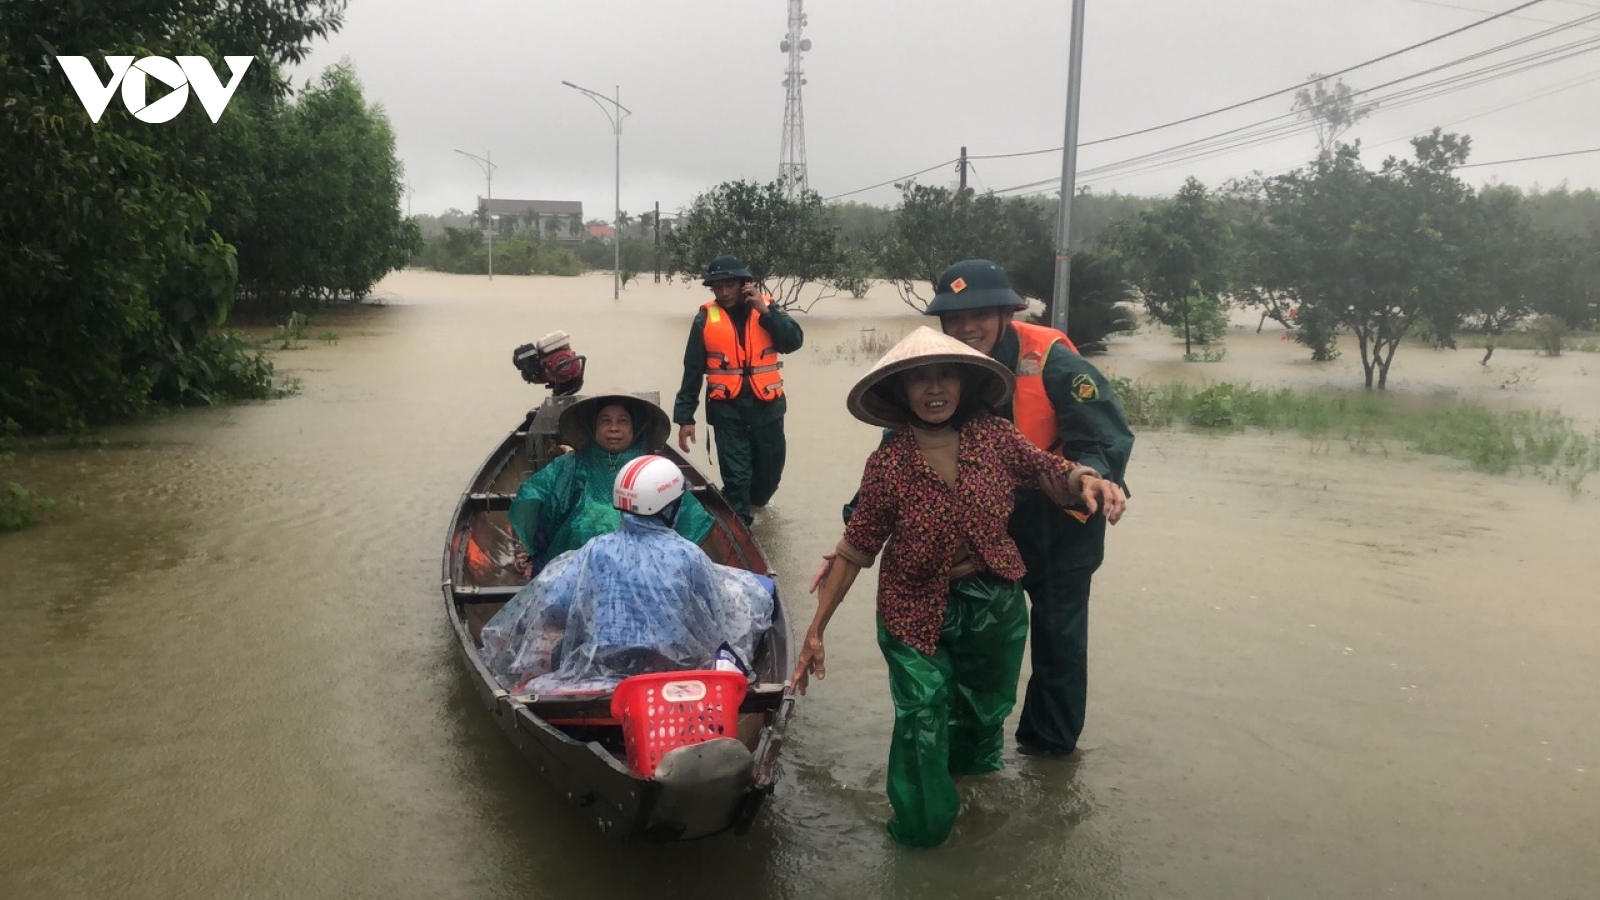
<point>1064,405</point>
<point>734,345</point>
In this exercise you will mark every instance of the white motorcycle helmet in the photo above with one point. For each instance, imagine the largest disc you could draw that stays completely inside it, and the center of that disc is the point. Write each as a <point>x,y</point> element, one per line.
<point>649,486</point>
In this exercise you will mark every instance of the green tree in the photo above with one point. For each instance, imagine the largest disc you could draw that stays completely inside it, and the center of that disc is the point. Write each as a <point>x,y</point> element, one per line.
<point>789,243</point>
<point>1501,255</point>
<point>1566,278</point>
<point>113,252</point>
<point>1175,253</point>
<point>935,227</point>
<point>1331,108</point>
<point>328,221</point>
<point>1379,252</point>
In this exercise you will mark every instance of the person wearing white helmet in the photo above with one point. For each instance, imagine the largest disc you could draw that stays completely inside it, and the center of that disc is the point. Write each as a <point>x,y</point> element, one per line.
<point>639,599</point>
<point>652,486</point>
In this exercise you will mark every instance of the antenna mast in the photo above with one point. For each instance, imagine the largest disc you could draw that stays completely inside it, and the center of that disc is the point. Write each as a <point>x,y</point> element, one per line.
<point>792,156</point>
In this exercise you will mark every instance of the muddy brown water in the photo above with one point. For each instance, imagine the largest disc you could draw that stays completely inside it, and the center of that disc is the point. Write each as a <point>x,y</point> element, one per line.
<point>1317,670</point>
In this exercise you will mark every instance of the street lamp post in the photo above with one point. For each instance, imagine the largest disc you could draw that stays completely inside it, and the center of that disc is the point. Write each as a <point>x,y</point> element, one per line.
<point>488,220</point>
<point>616,114</point>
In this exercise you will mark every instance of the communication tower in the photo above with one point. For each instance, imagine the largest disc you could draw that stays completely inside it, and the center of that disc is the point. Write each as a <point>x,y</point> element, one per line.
<point>792,156</point>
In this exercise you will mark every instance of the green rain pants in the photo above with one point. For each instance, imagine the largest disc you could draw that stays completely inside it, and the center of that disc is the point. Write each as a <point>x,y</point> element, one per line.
<point>950,708</point>
<point>751,458</point>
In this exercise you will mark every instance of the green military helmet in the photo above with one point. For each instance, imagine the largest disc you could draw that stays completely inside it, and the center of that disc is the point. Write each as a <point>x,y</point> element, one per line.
<point>726,268</point>
<point>974,284</point>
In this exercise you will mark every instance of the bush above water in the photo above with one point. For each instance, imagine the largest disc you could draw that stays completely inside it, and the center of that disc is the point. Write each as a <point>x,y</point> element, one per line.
<point>1492,441</point>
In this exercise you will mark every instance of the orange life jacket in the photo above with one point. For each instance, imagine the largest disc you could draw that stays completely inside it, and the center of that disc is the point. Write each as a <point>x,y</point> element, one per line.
<point>729,362</point>
<point>1031,408</point>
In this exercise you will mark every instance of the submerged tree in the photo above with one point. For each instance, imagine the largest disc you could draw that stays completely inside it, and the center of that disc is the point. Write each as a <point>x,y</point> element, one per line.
<point>1379,252</point>
<point>1175,253</point>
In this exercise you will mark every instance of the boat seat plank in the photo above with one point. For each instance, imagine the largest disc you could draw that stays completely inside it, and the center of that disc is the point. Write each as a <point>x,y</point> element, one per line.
<point>470,593</point>
<point>493,501</point>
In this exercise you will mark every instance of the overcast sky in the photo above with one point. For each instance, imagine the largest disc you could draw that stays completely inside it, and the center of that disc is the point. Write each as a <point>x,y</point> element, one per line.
<point>894,86</point>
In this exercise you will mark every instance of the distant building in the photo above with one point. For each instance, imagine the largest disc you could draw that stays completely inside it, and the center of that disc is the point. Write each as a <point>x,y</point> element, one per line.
<point>559,220</point>
<point>603,232</point>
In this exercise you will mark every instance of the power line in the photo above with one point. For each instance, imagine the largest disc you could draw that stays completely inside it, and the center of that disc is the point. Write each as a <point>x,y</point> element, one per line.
<point>1265,132</point>
<point>1243,103</point>
<point>1474,9</point>
<point>1502,162</point>
<point>1233,140</point>
<point>1313,81</point>
<point>1296,126</point>
<point>1281,92</point>
<point>1569,84</point>
<point>880,184</point>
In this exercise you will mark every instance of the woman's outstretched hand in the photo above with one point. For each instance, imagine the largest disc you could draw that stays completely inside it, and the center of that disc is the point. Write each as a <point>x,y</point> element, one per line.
<point>1081,488</point>
<point>811,662</point>
<point>1102,495</point>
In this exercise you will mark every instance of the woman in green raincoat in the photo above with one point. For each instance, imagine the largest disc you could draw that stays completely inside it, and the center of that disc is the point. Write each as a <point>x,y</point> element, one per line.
<point>951,622</point>
<point>563,505</point>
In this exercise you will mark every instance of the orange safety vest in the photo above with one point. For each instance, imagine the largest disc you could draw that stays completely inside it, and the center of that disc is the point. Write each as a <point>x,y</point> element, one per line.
<point>1034,415</point>
<point>1031,408</point>
<point>729,362</point>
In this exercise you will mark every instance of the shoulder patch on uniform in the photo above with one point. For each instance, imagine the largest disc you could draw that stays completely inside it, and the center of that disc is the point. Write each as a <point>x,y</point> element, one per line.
<point>1084,389</point>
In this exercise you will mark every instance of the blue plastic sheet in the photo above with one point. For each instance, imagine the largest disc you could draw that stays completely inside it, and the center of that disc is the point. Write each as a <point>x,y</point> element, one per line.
<point>641,599</point>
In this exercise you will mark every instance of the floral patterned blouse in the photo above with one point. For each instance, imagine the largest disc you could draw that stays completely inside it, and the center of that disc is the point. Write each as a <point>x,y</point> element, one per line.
<point>903,498</point>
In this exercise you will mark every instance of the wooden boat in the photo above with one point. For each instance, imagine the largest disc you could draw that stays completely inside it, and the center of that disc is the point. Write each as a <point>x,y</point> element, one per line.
<point>571,739</point>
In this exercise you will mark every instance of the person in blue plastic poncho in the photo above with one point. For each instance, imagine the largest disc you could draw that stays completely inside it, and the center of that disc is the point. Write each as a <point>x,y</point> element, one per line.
<point>564,504</point>
<point>640,599</point>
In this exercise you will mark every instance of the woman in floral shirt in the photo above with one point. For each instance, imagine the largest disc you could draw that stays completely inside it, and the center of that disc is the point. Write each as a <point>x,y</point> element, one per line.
<point>951,619</point>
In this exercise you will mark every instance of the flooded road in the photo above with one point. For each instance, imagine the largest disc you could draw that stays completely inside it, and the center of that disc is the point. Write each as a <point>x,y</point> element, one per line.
<point>1317,670</point>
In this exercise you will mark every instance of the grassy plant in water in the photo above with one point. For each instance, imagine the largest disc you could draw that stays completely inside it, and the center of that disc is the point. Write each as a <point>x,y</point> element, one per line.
<point>18,506</point>
<point>1492,441</point>
<point>292,331</point>
<point>1209,354</point>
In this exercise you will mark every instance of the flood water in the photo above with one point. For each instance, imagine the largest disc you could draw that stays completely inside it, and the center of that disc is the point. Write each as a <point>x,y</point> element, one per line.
<point>1318,669</point>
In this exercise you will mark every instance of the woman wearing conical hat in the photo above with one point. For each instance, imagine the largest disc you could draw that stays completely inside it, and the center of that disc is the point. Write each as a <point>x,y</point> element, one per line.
<point>952,622</point>
<point>563,505</point>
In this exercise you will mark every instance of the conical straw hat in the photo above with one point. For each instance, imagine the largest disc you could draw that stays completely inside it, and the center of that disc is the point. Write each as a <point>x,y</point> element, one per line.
<point>577,420</point>
<point>875,398</point>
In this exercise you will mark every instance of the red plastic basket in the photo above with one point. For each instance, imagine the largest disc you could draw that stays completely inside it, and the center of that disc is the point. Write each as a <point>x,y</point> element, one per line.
<point>663,711</point>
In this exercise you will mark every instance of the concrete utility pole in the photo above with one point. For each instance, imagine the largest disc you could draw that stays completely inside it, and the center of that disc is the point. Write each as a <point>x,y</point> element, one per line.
<point>1069,175</point>
<point>616,114</point>
<point>962,168</point>
<point>488,219</point>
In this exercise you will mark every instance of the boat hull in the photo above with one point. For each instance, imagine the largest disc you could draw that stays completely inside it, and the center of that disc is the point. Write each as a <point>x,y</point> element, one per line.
<point>572,743</point>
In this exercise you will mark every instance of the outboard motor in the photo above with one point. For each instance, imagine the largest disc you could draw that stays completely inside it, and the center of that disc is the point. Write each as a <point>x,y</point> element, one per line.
<point>550,361</point>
